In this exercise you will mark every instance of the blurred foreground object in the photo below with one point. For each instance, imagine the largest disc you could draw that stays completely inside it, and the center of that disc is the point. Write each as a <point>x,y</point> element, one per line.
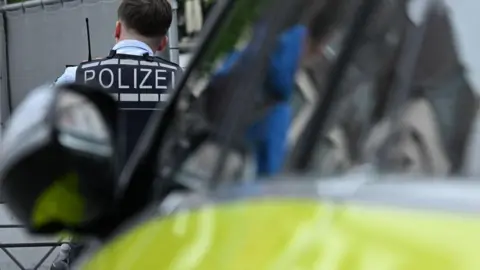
<point>343,223</point>
<point>57,158</point>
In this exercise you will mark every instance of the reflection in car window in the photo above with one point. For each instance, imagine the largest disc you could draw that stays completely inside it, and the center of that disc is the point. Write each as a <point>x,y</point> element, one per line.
<point>425,126</point>
<point>400,111</point>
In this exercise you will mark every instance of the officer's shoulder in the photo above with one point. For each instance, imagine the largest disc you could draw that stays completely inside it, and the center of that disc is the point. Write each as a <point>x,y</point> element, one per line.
<point>71,69</point>
<point>67,76</point>
<point>90,62</point>
<point>168,63</point>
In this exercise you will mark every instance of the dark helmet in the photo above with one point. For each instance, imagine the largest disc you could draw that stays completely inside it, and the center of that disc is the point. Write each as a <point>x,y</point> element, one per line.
<point>56,162</point>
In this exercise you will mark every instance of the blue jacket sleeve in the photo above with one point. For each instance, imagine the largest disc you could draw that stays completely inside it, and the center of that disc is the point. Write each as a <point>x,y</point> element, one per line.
<point>284,62</point>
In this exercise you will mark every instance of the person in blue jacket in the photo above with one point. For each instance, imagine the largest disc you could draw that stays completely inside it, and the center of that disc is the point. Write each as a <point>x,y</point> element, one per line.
<point>269,135</point>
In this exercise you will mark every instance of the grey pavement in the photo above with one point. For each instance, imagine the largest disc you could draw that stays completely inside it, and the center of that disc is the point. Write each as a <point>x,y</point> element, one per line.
<point>28,257</point>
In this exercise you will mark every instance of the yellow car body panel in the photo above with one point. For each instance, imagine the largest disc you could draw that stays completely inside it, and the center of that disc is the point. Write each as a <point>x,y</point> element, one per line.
<point>291,234</point>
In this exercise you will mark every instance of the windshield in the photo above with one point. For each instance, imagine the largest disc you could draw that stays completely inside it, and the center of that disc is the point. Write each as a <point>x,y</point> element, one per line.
<point>325,88</point>
<point>403,99</point>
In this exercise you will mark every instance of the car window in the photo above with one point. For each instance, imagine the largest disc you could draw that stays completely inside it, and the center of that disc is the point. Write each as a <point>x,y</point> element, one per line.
<point>408,100</point>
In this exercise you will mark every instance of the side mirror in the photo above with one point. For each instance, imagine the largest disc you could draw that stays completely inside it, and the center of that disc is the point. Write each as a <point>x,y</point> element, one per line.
<point>57,158</point>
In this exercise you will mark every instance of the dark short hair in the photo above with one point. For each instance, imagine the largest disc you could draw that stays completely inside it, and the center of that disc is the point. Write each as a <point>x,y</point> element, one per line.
<point>149,18</point>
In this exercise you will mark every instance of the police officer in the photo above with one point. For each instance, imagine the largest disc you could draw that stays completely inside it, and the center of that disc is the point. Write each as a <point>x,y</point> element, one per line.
<point>131,72</point>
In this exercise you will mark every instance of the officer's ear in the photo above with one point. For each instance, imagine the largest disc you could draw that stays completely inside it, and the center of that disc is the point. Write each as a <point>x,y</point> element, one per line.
<point>118,30</point>
<point>163,44</point>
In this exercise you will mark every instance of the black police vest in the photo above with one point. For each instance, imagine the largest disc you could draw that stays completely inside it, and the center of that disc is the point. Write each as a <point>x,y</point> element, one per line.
<point>138,83</point>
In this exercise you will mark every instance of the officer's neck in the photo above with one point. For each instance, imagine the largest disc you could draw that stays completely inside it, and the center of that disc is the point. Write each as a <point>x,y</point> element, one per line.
<point>147,41</point>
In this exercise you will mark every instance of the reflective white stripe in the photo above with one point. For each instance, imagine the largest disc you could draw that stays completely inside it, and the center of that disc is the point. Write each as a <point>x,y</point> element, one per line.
<point>168,66</point>
<point>147,63</point>
<point>128,97</point>
<point>164,97</point>
<point>109,62</point>
<point>143,97</point>
<point>94,64</point>
<point>129,62</point>
<point>141,109</point>
<point>149,97</point>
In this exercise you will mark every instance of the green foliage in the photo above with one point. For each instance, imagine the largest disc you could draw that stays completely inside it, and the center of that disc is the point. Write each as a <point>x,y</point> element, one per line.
<point>241,17</point>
